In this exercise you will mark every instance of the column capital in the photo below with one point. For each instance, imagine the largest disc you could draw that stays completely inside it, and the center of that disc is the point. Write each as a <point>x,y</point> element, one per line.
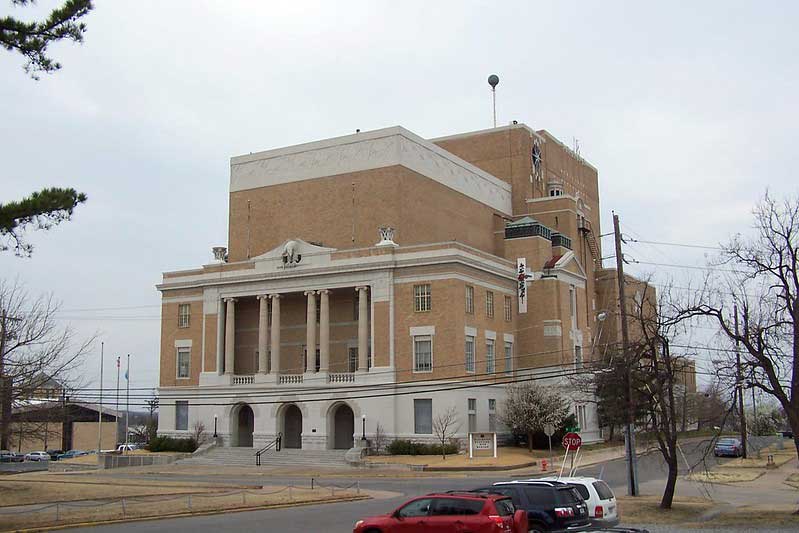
<point>275,296</point>
<point>263,296</point>
<point>309,293</point>
<point>361,288</point>
<point>229,300</point>
<point>323,291</point>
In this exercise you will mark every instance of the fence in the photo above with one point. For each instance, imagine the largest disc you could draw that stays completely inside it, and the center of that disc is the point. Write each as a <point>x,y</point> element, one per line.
<point>128,507</point>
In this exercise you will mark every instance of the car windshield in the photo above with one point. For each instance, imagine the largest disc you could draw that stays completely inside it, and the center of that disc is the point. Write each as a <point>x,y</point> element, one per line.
<point>568,496</point>
<point>505,507</point>
<point>603,490</point>
<point>728,441</point>
<point>583,490</point>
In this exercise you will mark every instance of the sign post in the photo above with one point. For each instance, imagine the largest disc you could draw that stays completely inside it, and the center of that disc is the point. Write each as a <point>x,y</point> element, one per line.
<point>549,430</point>
<point>572,441</point>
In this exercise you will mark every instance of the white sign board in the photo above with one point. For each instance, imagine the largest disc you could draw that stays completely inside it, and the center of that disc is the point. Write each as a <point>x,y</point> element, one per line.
<point>482,444</point>
<point>521,283</point>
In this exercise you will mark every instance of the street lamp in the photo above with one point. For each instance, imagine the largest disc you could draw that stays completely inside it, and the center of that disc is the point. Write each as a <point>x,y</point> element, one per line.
<point>363,425</point>
<point>215,425</point>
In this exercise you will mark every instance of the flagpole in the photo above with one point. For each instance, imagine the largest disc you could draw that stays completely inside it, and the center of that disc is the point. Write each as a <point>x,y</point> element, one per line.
<point>127,402</point>
<point>100,417</point>
<point>117,413</point>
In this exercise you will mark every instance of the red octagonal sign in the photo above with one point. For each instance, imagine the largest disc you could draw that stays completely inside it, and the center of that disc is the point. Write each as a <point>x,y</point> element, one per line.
<point>572,441</point>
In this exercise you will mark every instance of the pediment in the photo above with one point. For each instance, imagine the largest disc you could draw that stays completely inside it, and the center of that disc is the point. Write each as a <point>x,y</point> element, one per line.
<point>569,263</point>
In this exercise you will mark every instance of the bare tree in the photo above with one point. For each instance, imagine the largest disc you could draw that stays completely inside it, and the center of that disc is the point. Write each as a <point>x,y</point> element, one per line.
<point>445,425</point>
<point>199,434</point>
<point>761,281</point>
<point>33,349</point>
<point>379,439</point>
<point>529,407</point>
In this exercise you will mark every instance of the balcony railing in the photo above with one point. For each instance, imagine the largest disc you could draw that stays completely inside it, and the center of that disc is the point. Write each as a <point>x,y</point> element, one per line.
<point>289,379</point>
<point>341,377</point>
<point>243,380</point>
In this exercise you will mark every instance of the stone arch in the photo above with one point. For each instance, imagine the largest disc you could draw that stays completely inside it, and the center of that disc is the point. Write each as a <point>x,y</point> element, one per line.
<point>290,422</point>
<point>242,424</point>
<point>340,422</point>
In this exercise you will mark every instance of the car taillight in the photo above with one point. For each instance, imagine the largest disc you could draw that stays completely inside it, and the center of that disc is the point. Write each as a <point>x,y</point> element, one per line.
<point>564,512</point>
<point>498,520</point>
<point>599,511</point>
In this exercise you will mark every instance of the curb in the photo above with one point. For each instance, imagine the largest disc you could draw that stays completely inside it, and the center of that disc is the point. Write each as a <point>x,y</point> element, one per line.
<point>486,468</point>
<point>186,515</point>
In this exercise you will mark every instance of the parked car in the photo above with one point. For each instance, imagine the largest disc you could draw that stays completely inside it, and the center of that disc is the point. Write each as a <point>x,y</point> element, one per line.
<point>70,454</point>
<point>37,456</point>
<point>550,505</point>
<point>449,513</point>
<point>127,447</point>
<point>54,454</point>
<point>728,446</point>
<point>5,456</point>
<point>602,506</point>
<point>16,457</point>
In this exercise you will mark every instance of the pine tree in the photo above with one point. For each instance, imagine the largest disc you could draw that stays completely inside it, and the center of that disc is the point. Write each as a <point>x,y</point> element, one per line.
<point>42,210</point>
<point>31,39</point>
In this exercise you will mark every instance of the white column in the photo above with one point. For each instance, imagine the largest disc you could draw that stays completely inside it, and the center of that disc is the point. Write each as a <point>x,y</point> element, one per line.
<point>263,334</point>
<point>363,330</point>
<point>310,333</point>
<point>230,335</point>
<point>275,356</point>
<point>220,336</point>
<point>324,330</point>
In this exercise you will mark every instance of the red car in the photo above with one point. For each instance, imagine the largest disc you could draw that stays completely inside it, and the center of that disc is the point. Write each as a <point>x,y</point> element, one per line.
<point>449,513</point>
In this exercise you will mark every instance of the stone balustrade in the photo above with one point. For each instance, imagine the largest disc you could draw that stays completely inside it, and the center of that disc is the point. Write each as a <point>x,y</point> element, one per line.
<point>289,379</point>
<point>341,377</point>
<point>243,380</point>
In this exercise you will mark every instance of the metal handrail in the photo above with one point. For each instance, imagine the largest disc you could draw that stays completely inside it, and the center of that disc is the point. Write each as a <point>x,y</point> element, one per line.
<point>276,444</point>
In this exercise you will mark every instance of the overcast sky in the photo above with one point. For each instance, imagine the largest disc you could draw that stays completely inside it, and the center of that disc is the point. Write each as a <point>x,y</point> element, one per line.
<point>688,110</point>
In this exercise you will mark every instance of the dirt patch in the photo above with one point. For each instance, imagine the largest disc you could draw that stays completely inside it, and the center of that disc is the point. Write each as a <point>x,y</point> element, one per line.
<point>780,458</point>
<point>506,457</point>
<point>793,481</point>
<point>726,476</point>
<point>165,506</point>
<point>699,514</point>
<point>646,510</point>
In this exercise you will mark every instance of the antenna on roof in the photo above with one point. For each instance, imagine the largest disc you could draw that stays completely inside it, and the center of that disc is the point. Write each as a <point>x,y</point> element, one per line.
<point>493,81</point>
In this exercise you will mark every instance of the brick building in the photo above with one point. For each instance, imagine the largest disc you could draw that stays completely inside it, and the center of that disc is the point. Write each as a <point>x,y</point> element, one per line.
<point>398,261</point>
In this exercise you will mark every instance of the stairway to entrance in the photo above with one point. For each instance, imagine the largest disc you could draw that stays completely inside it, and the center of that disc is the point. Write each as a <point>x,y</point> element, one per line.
<point>236,456</point>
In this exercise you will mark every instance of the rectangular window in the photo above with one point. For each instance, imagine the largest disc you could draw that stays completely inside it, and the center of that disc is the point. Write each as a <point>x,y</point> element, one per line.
<point>492,415</point>
<point>573,305</point>
<point>421,298</point>
<point>423,416</point>
<point>355,308</point>
<point>489,304</point>
<point>508,357</point>
<point>508,309</point>
<point>469,299</point>
<point>183,315</point>
<point>581,416</point>
<point>472,410</point>
<point>578,357</point>
<point>181,415</point>
<point>469,353</point>
<point>353,359</point>
<point>490,366</point>
<point>317,362</point>
<point>423,353</point>
<point>184,357</point>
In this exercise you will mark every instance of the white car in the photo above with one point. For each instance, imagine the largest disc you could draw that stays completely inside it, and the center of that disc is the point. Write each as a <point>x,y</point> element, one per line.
<point>37,456</point>
<point>602,507</point>
<point>127,447</point>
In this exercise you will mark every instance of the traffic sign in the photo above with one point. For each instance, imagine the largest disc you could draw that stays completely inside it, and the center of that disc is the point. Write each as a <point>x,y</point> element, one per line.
<point>572,441</point>
<point>549,429</point>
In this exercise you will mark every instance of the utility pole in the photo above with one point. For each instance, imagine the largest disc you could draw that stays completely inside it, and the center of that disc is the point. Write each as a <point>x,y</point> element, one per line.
<point>629,437</point>
<point>100,410</point>
<point>127,403</point>
<point>739,386</point>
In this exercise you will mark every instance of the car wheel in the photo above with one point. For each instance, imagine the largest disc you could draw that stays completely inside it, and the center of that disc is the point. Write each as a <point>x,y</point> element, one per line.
<point>536,528</point>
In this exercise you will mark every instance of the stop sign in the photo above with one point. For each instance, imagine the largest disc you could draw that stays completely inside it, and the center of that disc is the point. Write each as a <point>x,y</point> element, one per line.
<point>572,441</point>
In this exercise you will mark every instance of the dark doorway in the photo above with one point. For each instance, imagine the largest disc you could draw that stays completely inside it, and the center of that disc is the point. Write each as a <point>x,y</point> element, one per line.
<point>245,427</point>
<point>343,427</point>
<point>292,427</point>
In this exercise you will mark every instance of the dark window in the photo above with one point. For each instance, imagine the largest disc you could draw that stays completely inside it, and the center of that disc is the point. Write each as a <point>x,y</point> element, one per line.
<point>568,496</point>
<point>506,491</point>
<point>583,490</point>
<point>603,490</point>
<point>181,415</point>
<point>416,508</point>
<point>423,416</point>
<point>540,495</point>
<point>505,507</point>
<point>457,506</point>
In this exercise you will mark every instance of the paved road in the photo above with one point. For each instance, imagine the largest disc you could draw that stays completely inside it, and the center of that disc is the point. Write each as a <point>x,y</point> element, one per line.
<point>17,468</point>
<point>334,518</point>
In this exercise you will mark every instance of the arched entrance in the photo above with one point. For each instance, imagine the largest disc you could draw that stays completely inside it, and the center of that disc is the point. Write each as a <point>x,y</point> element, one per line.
<point>243,421</point>
<point>343,427</point>
<point>292,427</point>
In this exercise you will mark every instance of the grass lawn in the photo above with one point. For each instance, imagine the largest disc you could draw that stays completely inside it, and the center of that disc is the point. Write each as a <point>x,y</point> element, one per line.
<point>687,513</point>
<point>780,458</point>
<point>506,456</point>
<point>727,476</point>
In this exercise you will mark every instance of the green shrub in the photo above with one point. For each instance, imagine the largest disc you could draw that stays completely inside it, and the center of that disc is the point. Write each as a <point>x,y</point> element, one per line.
<point>170,444</point>
<point>407,447</point>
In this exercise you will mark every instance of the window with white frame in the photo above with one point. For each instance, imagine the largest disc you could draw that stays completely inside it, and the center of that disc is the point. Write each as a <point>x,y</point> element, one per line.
<point>490,364</point>
<point>184,312</point>
<point>578,357</point>
<point>492,414</point>
<point>489,304</point>
<point>422,300</point>
<point>423,353</point>
<point>469,349</point>
<point>423,416</point>
<point>508,357</point>
<point>184,359</point>
<point>181,415</point>
<point>508,309</point>
<point>469,299</point>
<point>471,405</point>
<point>580,412</point>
